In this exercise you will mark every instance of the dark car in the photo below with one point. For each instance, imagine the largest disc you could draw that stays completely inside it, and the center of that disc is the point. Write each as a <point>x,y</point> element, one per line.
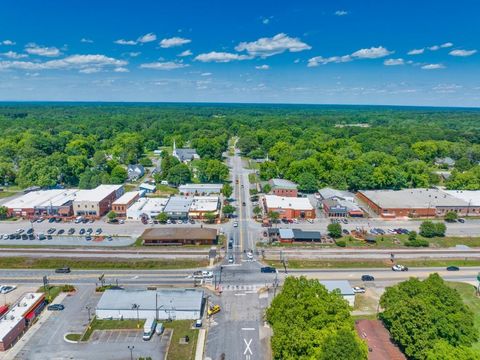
<point>461,220</point>
<point>453,268</point>
<point>71,231</point>
<point>56,307</point>
<point>88,238</point>
<point>51,231</point>
<point>82,231</point>
<point>63,270</point>
<point>243,203</point>
<point>60,232</point>
<point>31,237</point>
<point>98,231</point>
<point>89,231</point>
<point>85,221</point>
<point>345,232</point>
<point>49,237</point>
<point>24,236</point>
<point>30,231</point>
<point>58,220</point>
<point>367,278</point>
<point>268,269</point>
<point>51,220</point>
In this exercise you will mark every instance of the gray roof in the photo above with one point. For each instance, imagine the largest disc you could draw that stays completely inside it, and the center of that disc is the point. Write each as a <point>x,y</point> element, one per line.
<point>282,184</point>
<point>412,199</point>
<point>306,235</point>
<point>446,160</point>
<point>329,193</point>
<point>180,299</point>
<point>286,233</point>
<point>178,204</point>
<point>185,154</point>
<point>342,285</point>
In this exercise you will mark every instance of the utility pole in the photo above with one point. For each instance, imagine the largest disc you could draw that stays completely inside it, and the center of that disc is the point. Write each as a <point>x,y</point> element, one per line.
<point>88,309</point>
<point>131,351</point>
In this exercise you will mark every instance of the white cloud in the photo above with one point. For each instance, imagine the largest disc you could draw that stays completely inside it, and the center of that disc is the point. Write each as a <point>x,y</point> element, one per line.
<point>433,67</point>
<point>147,38</point>
<point>121,70</point>
<point>278,44</point>
<point>266,21</point>
<point>174,41</point>
<point>320,60</point>
<point>434,48</point>
<point>80,62</point>
<point>462,53</point>
<point>14,55</point>
<point>85,40</point>
<point>168,65</point>
<point>416,51</point>
<point>221,57</point>
<point>125,42</point>
<point>393,62</point>
<point>372,53</point>
<point>185,53</point>
<point>35,49</point>
<point>8,42</point>
<point>262,67</point>
<point>89,70</point>
<point>206,74</point>
<point>446,45</point>
<point>134,53</point>
<point>341,12</point>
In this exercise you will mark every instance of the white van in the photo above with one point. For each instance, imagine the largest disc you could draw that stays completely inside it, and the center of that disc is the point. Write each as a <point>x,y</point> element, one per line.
<point>159,329</point>
<point>149,328</point>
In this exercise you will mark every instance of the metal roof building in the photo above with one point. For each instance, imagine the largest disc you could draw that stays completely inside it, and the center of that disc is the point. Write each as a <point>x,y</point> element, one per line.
<point>343,286</point>
<point>174,304</point>
<point>198,189</point>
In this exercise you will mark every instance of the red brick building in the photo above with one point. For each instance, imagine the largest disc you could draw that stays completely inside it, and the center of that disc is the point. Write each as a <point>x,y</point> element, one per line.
<point>289,207</point>
<point>121,205</point>
<point>282,187</point>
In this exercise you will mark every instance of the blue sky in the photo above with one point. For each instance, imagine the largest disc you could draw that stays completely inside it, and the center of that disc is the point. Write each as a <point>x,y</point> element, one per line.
<point>326,52</point>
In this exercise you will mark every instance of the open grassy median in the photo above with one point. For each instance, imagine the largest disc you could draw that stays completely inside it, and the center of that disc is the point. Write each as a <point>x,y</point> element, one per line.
<point>97,324</point>
<point>181,328</point>
<point>19,262</point>
<point>351,264</point>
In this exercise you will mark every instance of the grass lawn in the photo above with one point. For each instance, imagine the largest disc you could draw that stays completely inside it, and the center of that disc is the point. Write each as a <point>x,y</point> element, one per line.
<point>363,302</point>
<point>342,264</point>
<point>180,329</point>
<point>5,194</point>
<point>51,292</point>
<point>97,324</point>
<point>41,263</point>
<point>74,337</point>
<point>252,178</point>
<point>467,292</point>
<point>165,190</point>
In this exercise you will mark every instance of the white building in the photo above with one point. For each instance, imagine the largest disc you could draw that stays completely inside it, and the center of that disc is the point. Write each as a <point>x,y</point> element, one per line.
<point>149,207</point>
<point>204,204</point>
<point>200,189</point>
<point>174,304</point>
<point>96,202</point>
<point>343,286</point>
<point>42,202</point>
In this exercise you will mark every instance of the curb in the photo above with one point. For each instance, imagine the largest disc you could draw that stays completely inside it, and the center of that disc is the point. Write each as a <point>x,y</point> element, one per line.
<point>69,341</point>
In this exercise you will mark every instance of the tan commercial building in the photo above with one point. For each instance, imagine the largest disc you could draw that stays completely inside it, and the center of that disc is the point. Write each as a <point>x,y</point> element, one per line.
<point>121,205</point>
<point>96,202</point>
<point>179,236</point>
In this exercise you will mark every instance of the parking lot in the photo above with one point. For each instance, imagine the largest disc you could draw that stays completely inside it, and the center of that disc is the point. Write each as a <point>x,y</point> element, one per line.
<point>73,241</point>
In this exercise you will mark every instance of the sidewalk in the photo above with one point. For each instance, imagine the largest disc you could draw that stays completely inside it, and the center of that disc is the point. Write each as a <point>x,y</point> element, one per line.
<point>200,344</point>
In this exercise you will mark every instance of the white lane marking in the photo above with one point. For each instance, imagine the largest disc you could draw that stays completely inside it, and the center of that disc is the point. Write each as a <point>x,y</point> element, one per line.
<point>241,294</point>
<point>248,329</point>
<point>247,347</point>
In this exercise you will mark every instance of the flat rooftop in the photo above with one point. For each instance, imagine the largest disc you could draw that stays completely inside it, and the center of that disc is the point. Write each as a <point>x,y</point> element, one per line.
<point>283,184</point>
<point>42,198</point>
<point>342,285</point>
<point>412,198</point>
<point>281,202</point>
<point>17,312</point>
<point>178,204</point>
<point>190,187</point>
<point>126,198</point>
<point>471,197</point>
<point>97,194</point>
<point>179,299</point>
<point>205,203</point>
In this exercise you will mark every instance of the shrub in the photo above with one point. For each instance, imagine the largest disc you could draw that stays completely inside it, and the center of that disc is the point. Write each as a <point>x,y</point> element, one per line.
<point>417,243</point>
<point>341,243</point>
<point>68,288</point>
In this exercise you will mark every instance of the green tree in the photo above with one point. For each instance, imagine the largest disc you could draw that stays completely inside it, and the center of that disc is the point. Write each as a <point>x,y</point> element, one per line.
<point>162,217</point>
<point>210,217</point>
<point>451,216</point>
<point>3,212</point>
<point>274,216</point>
<point>266,188</point>
<point>179,174</point>
<point>412,235</point>
<point>419,313</point>
<point>257,211</point>
<point>228,210</point>
<point>428,229</point>
<point>334,230</point>
<point>212,171</point>
<point>227,190</point>
<point>118,175</point>
<point>111,215</point>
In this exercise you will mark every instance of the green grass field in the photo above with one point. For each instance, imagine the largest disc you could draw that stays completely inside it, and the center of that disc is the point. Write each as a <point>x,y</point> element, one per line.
<point>40,263</point>
<point>181,328</point>
<point>467,292</point>
<point>97,324</point>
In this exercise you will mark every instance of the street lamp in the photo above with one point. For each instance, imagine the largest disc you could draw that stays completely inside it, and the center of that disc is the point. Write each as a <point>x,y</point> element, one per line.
<point>136,307</point>
<point>88,309</point>
<point>131,351</point>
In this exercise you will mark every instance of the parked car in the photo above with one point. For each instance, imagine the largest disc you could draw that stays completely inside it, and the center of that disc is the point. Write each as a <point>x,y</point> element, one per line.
<point>51,231</point>
<point>5,289</point>
<point>358,290</point>
<point>198,323</point>
<point>56,307</point>
<point>268,269</point>
<point>24,236</point>
<point>368,278</point>
<point>58,220</point>
<point>51,220</point>
<point>213,310</point>
<point>71,231</point>
<point>60,232</point>
<point>30,231</point>
<point>82,231</point>
<point>398,267</point>
<point>98,231</point>
<point>345,232</point>
<point>20,231</point>
<point>88,238</point>
<point>109,238</point>
<point>31,237</point>
<point>453,268</point>
<point>159,329</point>
<point>345,221</point>
<point>39,220</point>
<point>460,220</point>
<point>89,231</point>
<point>63,270</point>
<point>121,221</point>
<point>49,237</point>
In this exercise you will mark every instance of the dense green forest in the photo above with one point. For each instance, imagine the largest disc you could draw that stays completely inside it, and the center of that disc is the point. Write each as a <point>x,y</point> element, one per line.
<point>88,144</point>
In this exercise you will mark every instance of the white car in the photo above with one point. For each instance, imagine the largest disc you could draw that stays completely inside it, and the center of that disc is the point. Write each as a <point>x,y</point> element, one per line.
<point>203,274</point>
<point>250,255</point>
<point>5,289</point>
<point>358,290</point>
<point>391,231</point>
<point>235,224</point>
<point>399,268</point>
